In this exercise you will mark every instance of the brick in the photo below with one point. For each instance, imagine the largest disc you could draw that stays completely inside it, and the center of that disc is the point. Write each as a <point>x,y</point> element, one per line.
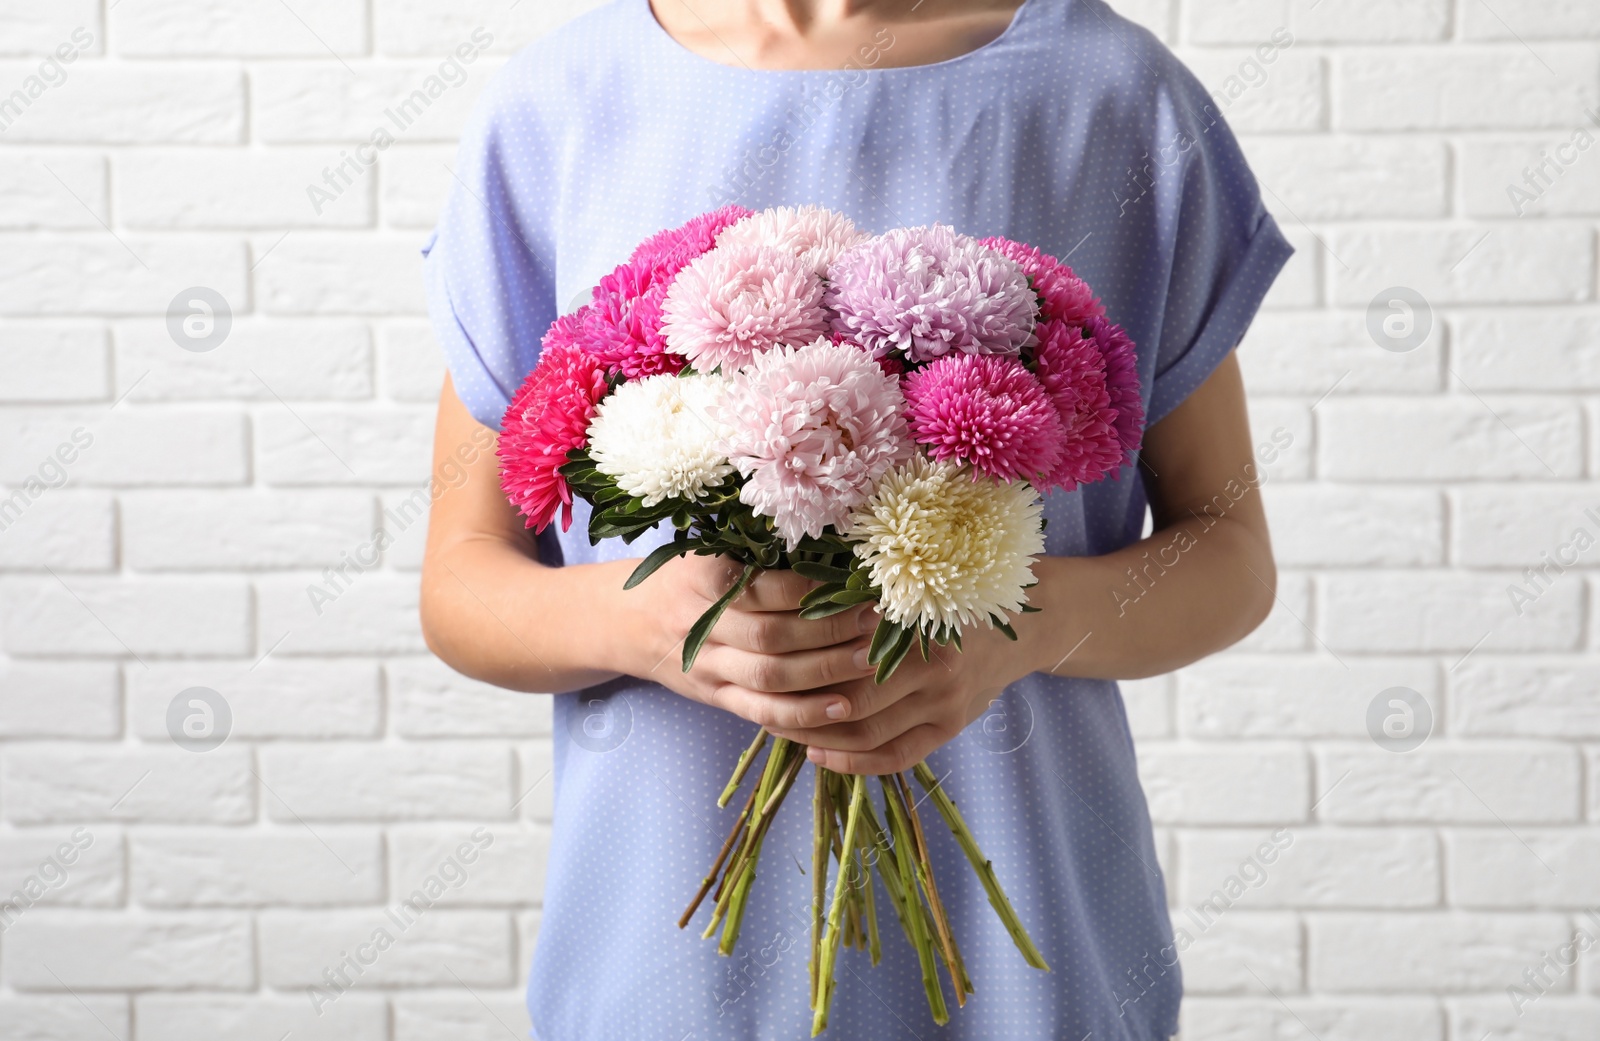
<point>1286,427</point>
<point>1155,15</point>
<point>506,866</point>
<point>1466,88</point>
<point>440,948</point>
<point>1332,1019</point>
<point>1310,867</point>
<point>80,700</point>
<point>1552,1016</point>
<point>260,360</point>
<point>428,699</point>
<point>229,188</point>
<point>53,190</point>
<point>527,942</point>
<point>94,272</point>
<point>1148,703</point>
<point>1449,784</point>
<point>1530,19</point>
<point>99,616</point>
<point>62,782</point>
<point>57,867</point>
<point>122,446</point>
<point>424,1017</point>
<point>53,950</point>
<point>1342,178</point>
<point>1312,353</point>
<point>1456,437</point>
<point>322,445</point>
<point>40,28</point>
<point>1188,785</point>
<point>1525,697</point>
<point>1449,952</point>
<point>205,29</point>
<point>53,363</point>
<point>30,1017</point>
<point>1327,525</point>
<point>1591,758</point>
<point>413,183</point>
<point>405,516</point>
<point>1235,954</point>
<point>123,103</point>
<point>1525,526</point>
<point>259,1017</point>
<point>375,613</point>
<point>1488,358</point>
<point>1283,96</point>
<point>1506,263</point>
<point>293,102</point>
<point>535,786</point>
<point>415,27</point>
<point>1267,696</point>
<point>1556,174</point>
<point>60,529</point>
<point>1361,21</point>
<point>410,365</point>
<point>243,529</point>
<point>1445,612</point>
<point>1299,284</point>
<point>1543,868</point>
<point>343,274</point>
<point>277,697</point>
<point>416,782</point>
<point>1286,626</point>
<point>188,869</point>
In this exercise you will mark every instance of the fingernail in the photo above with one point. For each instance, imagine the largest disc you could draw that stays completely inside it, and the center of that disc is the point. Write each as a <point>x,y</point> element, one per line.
<point>861,656</point>
<point>868,620</point>
<point>837,709</point>
<point>814,754</point>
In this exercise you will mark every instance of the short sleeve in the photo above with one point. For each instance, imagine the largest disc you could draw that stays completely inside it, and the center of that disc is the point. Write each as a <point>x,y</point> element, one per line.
<point>1227,249</point>
<point>488,264</point>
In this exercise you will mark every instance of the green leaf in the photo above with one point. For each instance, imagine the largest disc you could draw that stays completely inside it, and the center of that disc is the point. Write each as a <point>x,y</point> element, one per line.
<point>820,572</point>
<point>823,610</point>
<point>702,627</point>
<point>882,636</point>
<point>850,597</point>
<point>922,640</point>
<point>1030,609</point>
<point>896,655</point>
<point>860,579</point>
<point>819,595</point>
<point>658,556</point>
<point>1011,634</point>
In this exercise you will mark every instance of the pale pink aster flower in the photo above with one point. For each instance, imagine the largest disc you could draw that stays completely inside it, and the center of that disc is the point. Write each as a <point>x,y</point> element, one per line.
<point>815,235</point>
<point>736,302</point>
<point>1065,296</point>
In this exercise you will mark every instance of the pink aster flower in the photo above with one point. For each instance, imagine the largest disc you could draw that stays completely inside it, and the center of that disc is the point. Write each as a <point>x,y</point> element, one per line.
<point>548,418</point>
<point>736,302</point>
<point>1073,373</point>
<point>925,292</point>
<point>987,410</point>
<point>1065,296</point>
<point>1122,381</point>
<point>816,235</point>
<point>813,428</point>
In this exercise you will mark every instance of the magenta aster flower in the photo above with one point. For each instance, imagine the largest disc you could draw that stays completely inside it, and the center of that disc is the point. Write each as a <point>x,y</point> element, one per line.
<point>736,302</point>
<point>1122,381</point>
<point>987,410</point>
<point>548,418</point>
<point>813,428</point>
<point>1065,296</point>
<point>1073,372</point>
<point>925,292</point>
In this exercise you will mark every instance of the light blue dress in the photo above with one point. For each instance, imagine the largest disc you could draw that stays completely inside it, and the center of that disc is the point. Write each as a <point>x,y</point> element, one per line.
<point>1075,131</point>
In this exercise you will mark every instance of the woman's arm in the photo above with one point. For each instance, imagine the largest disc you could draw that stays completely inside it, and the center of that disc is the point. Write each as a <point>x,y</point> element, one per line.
<point>1201,581</point>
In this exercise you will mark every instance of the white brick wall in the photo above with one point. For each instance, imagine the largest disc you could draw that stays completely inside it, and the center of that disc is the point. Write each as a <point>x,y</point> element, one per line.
<point>174,548</point>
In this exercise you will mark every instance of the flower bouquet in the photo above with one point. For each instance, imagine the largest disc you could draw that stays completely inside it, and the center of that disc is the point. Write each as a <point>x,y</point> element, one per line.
<point>877,413</point>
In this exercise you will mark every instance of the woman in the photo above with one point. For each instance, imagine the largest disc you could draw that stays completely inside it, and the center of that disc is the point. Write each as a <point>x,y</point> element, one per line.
<point>1055,123</point>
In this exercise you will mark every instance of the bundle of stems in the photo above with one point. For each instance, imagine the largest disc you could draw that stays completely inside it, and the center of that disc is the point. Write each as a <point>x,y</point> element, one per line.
<point>850,832</point>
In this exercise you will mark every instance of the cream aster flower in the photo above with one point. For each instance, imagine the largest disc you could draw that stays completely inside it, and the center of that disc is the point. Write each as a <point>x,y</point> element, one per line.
<point>657,438</point>
<point>947,549</point>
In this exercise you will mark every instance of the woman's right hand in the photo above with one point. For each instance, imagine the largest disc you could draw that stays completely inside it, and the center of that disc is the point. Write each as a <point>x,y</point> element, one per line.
<point>761,654</point>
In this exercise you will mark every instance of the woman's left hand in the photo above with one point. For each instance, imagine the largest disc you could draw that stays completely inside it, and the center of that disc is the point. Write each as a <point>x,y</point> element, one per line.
<point>895,725</point>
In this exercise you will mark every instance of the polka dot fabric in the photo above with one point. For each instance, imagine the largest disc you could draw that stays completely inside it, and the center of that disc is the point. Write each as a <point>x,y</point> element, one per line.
<point>1074,131</point>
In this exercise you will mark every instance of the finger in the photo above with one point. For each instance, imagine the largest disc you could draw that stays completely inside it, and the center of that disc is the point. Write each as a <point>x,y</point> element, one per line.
<point>874,731</point>
<point>815,671</point>
<point>780,632</point>
<point>791,711</point>
<point>904,752</point>
<point>776,590</point>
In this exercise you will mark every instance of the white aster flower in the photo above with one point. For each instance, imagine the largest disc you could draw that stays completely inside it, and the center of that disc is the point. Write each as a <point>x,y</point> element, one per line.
<point>656,437</point>
<point>947,549</point>
<point>816,235</point>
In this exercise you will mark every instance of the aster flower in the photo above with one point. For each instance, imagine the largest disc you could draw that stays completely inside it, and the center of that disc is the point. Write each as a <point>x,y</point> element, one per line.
<point>812,428</point>
<point>1122,381</point>
<point>735,302</point>
<point>1065,296</point>
<point>924,292</point>
<point>947,550</point>
<point>815,235</point>
<point>655,436</point>
<point>987,410</point>
<point>1073,372</point>
<point>548,418</point>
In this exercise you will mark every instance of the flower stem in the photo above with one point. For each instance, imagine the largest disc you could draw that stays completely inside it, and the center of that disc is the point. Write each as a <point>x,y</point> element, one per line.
<point>904,855</point>
<point>743,767</point>
<point>830,947</point>
<point>947,941</point>
<point>821,847</point>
